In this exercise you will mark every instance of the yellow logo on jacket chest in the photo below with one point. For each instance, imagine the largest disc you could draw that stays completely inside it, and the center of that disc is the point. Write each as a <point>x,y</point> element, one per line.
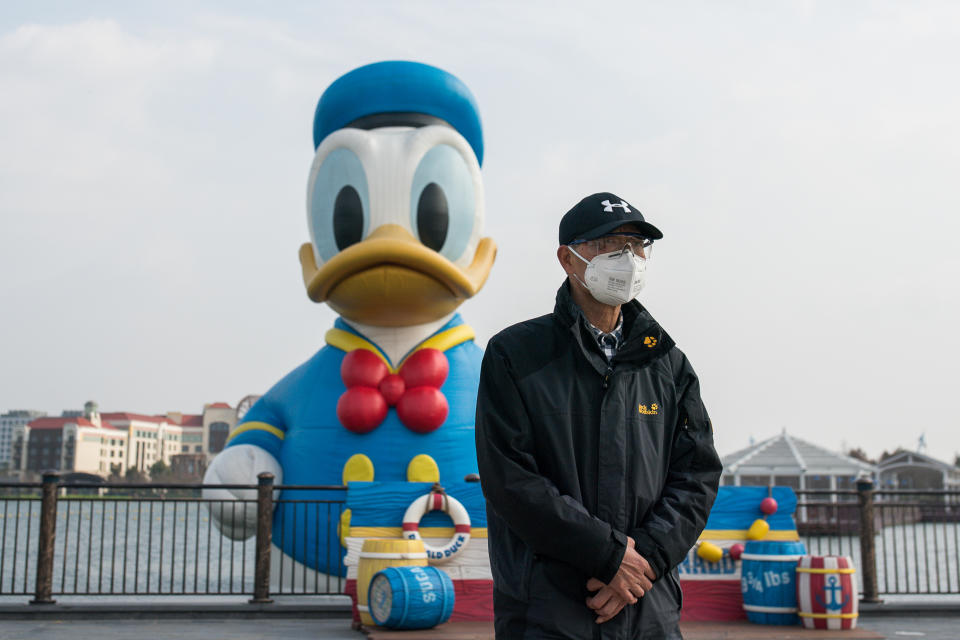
<point>649,411</point>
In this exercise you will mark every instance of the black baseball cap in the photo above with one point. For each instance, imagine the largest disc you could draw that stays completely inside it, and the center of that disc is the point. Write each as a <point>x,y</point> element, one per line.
<point>600,214</point>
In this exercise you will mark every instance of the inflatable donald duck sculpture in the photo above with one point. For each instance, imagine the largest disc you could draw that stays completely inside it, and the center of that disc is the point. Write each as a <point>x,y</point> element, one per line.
<point>395,213</point>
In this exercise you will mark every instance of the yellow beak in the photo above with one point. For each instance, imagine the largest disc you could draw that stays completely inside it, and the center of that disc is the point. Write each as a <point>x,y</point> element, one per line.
<point>391,279</point>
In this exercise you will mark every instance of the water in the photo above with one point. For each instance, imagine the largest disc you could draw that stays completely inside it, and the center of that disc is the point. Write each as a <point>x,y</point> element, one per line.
<point>125,547</point>
<point>917,558</point>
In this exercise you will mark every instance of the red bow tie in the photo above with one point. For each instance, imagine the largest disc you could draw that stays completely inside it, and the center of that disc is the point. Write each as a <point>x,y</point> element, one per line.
<point>372,389</point>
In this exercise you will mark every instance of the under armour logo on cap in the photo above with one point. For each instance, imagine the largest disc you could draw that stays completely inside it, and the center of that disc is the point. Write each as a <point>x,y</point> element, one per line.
<point>608,208</point>
<point>602,213</point>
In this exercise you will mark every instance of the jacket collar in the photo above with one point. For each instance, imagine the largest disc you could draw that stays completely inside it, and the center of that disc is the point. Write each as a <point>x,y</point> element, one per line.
<point>644,339</point>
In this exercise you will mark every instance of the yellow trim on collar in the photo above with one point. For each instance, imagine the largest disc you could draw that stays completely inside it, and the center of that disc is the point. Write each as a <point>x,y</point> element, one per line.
<point>258,426</point>
<point>449,339</point>
<point>443,341</point>
<point>789,535</point>
<point>346,341</point>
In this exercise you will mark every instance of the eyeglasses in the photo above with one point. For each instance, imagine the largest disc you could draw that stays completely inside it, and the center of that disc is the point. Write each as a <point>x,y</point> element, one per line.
<point>641,245</point>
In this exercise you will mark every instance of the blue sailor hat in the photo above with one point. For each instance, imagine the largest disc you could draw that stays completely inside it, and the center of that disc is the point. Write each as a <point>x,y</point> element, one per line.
<point>398,93</point>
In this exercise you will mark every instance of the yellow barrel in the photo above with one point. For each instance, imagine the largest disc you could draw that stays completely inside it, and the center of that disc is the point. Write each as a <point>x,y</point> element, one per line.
<point>380,553</point>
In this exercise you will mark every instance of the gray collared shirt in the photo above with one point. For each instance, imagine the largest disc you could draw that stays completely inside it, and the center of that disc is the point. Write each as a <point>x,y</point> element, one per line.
<point>609,342</point>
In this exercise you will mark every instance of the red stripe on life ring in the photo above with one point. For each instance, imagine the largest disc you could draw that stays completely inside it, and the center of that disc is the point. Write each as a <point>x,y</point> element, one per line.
<point>411,526</point>
<point>438,502</point>
<point>462,528</point>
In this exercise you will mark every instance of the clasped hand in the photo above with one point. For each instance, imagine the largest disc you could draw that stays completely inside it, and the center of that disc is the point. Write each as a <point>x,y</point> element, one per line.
<point>631,582</point>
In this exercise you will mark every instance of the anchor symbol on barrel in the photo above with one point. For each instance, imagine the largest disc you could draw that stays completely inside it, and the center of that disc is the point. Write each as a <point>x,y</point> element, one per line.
<point>831,589</point>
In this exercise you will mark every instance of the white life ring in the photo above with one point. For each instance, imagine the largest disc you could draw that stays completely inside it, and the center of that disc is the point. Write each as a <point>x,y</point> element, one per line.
<point>452,507</point>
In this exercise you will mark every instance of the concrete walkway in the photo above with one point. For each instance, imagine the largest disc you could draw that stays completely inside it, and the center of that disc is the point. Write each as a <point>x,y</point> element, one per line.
<point>179,629</point>
<point>328,618</point>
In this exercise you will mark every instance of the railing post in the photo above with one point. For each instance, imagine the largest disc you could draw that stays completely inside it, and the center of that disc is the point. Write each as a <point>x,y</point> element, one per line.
<point>261,573</point>
<point>868,551</point>
<point>48,529</point>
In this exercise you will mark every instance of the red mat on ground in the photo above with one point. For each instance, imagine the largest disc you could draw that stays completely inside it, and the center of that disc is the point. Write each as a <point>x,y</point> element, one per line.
<point>703,600</point>
<point>712,600</point>
<point>691,631</point>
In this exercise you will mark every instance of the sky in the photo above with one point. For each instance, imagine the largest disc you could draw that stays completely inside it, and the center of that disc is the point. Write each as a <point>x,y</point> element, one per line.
<point>801,159</point>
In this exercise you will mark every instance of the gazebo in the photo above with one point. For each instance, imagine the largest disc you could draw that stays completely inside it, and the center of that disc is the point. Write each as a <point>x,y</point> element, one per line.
<point>786,460</point>
<point>914,470</point>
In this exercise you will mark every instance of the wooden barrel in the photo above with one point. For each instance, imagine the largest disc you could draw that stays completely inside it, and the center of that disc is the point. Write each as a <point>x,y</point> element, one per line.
<point>768,581</point>
<point>380,553</point>
<point>827,592</point>
<point>410,597</point>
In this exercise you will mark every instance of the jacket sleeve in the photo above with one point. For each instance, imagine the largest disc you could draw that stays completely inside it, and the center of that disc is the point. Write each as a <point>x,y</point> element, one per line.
<point>550,524</point>
<point>672,526</point>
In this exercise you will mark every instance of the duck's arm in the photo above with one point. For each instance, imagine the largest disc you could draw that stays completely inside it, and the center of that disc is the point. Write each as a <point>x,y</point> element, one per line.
<point>252,448</point>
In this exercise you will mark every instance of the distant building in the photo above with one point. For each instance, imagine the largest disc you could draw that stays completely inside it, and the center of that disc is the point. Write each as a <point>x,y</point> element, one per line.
<point>8,421</point>
<point>152,439</point>
<point>183,442</point>
<point>82,444</point>
<point>189,467</point>
<point>786,460</point>
<point>219,420</point>
<point>912,470</point>
<point>246,403</point>
<point>191,434</point>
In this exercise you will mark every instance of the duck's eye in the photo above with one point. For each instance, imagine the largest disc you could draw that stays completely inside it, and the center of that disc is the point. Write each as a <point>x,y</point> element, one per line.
<point>442,201</point>
<point>433,216</point>
<point>339,203</point>
<point>347,217</point>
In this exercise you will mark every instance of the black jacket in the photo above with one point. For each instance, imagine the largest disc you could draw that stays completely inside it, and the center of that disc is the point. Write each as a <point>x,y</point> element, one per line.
<point>575,454</point>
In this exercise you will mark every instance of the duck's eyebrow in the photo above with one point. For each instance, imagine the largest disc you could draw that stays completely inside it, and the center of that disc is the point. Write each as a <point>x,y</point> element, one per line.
<point>396,119</point>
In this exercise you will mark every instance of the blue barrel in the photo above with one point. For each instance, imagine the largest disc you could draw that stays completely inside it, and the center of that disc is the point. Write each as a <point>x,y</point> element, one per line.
<point>410,597</point>
<point>768,581</point>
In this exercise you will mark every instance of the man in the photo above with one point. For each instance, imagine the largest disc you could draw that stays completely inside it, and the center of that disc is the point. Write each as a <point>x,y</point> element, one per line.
<point>595,451</point>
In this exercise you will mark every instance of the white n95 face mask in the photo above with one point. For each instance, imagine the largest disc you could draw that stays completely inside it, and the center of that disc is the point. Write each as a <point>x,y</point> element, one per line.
<point>614,278</point>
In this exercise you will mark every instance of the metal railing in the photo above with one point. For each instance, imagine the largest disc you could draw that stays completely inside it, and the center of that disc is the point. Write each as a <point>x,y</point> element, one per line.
<point>904,542</point>
<point>159,539</point>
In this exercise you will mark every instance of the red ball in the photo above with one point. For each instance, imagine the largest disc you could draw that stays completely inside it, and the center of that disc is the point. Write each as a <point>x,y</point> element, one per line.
<point>361,409</point>
<point>736,551</point>
<point>392,388</point>
<point>768,506</point>
<point>425,368</point>
<point>362,368</point>
<point>422,409</point>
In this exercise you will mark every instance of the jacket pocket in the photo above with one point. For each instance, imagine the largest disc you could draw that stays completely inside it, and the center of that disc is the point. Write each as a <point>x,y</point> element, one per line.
<point>525,570</point>
<point>696,438</point>
<point>511,561</point>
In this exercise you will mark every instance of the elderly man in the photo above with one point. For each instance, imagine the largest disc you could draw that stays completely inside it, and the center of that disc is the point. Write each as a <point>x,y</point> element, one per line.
<point>595,451</point>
